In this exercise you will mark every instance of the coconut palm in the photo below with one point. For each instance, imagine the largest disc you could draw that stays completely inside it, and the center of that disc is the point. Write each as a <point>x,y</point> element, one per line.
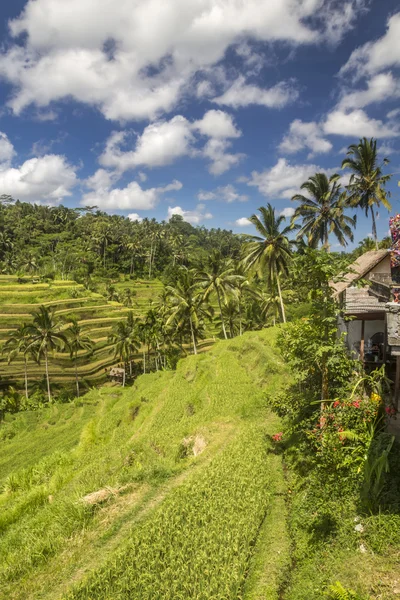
<point>124,341</point>
<point>19,343</point>
<point>322,211</point>
<point>366,188</point>
<point>188,308</point>
<point>46,336</point>
<point>218,277</point>
<point>270,252</point>
<point>78,340</point>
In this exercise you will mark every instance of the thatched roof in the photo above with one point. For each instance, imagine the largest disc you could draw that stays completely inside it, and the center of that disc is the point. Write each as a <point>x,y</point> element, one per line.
<point>358,269</point>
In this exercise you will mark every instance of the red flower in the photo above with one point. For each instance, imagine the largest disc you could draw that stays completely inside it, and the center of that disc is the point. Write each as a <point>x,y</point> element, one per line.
<point>336,404</point>
<point>390,410</point>
<point>278,437</point>
<point>356,404</point>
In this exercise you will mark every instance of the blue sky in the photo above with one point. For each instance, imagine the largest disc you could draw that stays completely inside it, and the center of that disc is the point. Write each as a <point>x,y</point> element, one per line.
<point>208,108</point>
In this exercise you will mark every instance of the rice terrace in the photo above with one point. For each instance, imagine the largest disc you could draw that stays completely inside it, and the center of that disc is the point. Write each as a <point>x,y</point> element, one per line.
<point>199,300</point>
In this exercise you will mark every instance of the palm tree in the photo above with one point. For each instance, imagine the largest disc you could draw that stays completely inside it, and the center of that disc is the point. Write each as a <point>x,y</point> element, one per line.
<point>77,340</point>
<point>270,252</point>
<point>187,306</point>
<point>124,343</point>
<point>19,343</point>
<point>46,335</point>
<point>270,303</point>
<point>366,188</point>
<point>219,278</point>
<point>322,211</point>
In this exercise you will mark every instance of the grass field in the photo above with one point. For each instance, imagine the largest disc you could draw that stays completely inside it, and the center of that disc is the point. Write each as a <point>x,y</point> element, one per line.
<point>174,489</point>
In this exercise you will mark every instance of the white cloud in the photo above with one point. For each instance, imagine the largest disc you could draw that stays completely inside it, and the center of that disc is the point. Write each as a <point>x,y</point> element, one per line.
<point>161,143</point>
<point>135,217</point>
<point>191,216</point>
<point>134,60</point>
<point>132,197</point>
<point>242,94</point>
<point>283,180</point>
<point>7,151</point>
<point>357,124</point>
<point>48,179</point>
<point>287,212</point>
<point>376,56</point>
<point>221,160</point>
<point>305,135</point>
<point>142,176</point>
<point>217,124</point>
<point>242,222</point>
<point>227,193</point>
<point>380,88</point>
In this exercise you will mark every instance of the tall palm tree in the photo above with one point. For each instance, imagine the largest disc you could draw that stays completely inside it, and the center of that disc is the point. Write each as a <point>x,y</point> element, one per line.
<point>19,343</point>
<point>322,211</point>
<point>218,277</point>
<point>46,336</point>
<point>187,306</point>
<point>366,188</point>
<point>78,340</point>
<point>270,252</point>
<point>124,343</point>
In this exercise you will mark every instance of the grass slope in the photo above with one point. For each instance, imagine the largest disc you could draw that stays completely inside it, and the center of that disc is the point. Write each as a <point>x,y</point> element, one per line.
<point>177,523</point>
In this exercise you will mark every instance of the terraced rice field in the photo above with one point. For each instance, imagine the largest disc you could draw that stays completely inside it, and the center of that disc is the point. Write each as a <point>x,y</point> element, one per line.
<point>71,301</point>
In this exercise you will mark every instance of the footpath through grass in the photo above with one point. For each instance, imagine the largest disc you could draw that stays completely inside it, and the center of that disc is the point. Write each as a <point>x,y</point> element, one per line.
<point>186,478</point>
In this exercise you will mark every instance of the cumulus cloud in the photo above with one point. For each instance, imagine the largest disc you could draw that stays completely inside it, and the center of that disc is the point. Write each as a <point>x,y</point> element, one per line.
<point>106,196</point>
<point>283,180</point>
<point>242,222</point>
<point>196,216</point>
<point>134,60</point>
<point>227,193</point>
<point>161,143</point>
<point>135,217</point>
<point>242,94</point>
<point>48,179</point>
<point>376,56</point>
<point>379,88</point>
<point>357,124</point>
<point>7,151</point>
<point>217,124</point>
<point>216,150</point>
<point>287,212</point>
<point>305,136</point>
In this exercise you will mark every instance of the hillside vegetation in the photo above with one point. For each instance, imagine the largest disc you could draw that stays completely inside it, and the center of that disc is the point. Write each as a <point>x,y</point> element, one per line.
<point>19,298</point>
<point>183,464</point>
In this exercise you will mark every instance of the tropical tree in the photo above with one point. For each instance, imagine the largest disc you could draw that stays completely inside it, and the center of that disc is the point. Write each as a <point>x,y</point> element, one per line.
<point>124,342</point>
<point>323,211</point>
<point>78,340</point>
<point>218,277</point>
<point>366,188</point>
<point>188,308</point>
<point>270,252</point>
<point>46,336</point>
<point>19,343</point>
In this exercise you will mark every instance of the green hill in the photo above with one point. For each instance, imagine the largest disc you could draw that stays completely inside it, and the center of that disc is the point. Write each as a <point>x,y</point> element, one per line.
<point>156,491</point>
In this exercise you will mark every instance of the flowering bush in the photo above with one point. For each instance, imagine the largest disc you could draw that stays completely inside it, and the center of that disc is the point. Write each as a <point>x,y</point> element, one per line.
<point>278,437</point>
<point>341,437</point>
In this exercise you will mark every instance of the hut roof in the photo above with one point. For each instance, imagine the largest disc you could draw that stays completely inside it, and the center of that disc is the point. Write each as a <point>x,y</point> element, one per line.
<point>359,268</point>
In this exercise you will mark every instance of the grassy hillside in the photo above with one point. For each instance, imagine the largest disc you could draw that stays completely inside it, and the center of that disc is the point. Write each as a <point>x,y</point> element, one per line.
<point>174,489</point>
<point>71,301</point>
<point>185,469</point>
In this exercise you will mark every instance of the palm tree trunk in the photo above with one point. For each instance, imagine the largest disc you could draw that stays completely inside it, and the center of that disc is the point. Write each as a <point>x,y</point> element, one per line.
<point>46,361</point>
<point>240,319</point>
<point>220,312</point>
<point>150,259</point>
<point>26,378</point>
<point>280,298</point>
<point>144,362</point>
<point>76,373</point>
<point>326,240</point>
<point>375,235</point>
<point>193,338</point>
